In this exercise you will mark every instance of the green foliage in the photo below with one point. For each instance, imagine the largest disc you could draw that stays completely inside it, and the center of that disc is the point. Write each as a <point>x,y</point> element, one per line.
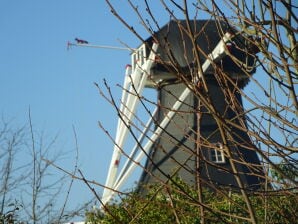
<point>178,203</point>
<point>287,176</point>
<point>11,215</point>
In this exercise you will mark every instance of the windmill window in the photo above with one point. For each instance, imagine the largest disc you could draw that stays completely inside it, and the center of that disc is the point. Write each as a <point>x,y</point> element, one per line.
<point>217,154</point>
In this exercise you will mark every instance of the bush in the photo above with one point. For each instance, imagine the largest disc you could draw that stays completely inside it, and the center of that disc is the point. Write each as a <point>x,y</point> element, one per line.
<point>178,203</point>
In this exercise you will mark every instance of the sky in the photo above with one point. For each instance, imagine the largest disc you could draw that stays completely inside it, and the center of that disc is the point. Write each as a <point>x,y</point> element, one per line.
<point>37,71</point>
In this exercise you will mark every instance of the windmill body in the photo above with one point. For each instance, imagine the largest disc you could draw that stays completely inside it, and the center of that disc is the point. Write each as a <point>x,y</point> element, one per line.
<point>186,139</point>
<point>192,142</point>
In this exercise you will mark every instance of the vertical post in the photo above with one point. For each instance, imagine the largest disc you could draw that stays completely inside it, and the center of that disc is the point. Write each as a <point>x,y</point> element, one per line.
<point>198,117</point>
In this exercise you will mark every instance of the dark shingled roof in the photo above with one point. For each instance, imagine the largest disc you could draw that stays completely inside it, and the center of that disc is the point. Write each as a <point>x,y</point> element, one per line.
<point>176,46</point>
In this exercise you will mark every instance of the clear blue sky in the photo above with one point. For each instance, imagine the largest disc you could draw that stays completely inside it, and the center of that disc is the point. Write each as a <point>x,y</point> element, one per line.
<point>37,71</point>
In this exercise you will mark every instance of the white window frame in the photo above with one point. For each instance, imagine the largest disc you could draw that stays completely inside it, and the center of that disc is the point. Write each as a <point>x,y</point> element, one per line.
<point>216,154</point>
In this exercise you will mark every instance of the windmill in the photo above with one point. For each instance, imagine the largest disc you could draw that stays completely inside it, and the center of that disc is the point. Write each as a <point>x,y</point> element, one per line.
<point>187,138</point>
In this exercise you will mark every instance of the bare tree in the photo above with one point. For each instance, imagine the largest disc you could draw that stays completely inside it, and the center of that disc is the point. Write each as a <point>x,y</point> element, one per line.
<point>32,191</point>
<point>11,141</point>
<point>264,32</point>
